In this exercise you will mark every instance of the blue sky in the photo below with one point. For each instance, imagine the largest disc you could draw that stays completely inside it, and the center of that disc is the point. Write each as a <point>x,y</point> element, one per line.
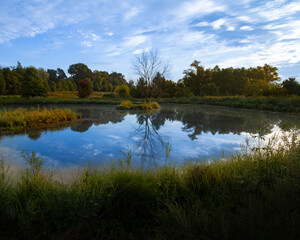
<point>107,34</point>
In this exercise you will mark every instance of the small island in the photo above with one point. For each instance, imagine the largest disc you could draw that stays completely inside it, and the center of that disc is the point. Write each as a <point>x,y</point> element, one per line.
<point>22,118</point>
<point>126,105</point>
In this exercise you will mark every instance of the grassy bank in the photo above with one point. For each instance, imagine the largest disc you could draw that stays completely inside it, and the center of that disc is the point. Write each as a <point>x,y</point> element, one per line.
<point>277,104</point>
<point>250,196</point>
<point>23,118</point>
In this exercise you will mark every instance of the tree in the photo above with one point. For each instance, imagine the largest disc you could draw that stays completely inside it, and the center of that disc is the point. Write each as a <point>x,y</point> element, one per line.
<point>32,84</point>
<point>146,66</point>
<point>79,71</point>
<point>292,86</point>
<point>60,74</point>
<point>2,84</point>
<point>123,91</point>
<point>85,88</point>
<point>117,79</point>
<point>12,80</point>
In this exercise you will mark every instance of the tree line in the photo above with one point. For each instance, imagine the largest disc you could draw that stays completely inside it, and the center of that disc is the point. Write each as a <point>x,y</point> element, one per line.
<point>197,81</point>
<point>32,81</point>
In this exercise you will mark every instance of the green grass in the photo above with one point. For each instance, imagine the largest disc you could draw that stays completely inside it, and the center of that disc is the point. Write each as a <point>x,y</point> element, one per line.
<point>126,105</point>
<point>278,104</point>
<point>22,118</point>
<point>249,196</point>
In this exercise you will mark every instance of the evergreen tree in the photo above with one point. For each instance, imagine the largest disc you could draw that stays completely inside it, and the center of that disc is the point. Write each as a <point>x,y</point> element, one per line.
<point>2,84</point>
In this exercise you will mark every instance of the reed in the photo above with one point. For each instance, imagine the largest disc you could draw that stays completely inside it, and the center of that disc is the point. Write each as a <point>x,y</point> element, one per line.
<point>22,118</point>
<point>250,195</point>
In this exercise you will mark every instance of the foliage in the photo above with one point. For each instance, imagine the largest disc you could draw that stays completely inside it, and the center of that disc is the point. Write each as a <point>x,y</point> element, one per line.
<point>22,118</point>
<point>85,88</point>
<point>138,106</point>
<point>33,84</point>
<point>2,84</point>
<point>291,86</point>
<point>79,71</point>
<point>123,91</point>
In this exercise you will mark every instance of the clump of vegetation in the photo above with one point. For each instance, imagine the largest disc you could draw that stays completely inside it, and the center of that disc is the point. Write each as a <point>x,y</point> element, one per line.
<point>22,118</point>
<point>249,196</point>
<point>85,88</point>
<point>138,106</point>
<point>122,91</point>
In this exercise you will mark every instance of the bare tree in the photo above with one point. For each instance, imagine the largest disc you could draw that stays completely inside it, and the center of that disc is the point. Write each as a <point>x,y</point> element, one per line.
<point>147,65</point>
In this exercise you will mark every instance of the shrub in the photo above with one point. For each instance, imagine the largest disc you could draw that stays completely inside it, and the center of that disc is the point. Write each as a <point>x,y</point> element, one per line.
<point>85,88</point>
<point>123,91</point>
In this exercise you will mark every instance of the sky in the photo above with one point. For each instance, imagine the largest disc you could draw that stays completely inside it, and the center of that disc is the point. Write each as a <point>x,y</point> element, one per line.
<point>107,35</point>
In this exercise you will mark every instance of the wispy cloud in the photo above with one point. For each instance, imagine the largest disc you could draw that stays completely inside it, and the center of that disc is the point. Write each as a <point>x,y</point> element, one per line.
<point>131,13</point>
<point>227,33</point>
<point>134,41</point>
<point>197,8</point>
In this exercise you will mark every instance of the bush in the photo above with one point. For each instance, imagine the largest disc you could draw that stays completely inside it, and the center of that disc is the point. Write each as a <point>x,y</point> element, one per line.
<point>123,91</point>
<point>85,88</point>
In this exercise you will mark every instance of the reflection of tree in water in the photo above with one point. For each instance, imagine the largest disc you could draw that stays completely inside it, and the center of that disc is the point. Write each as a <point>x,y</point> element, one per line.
<point>34,134</point>
<point>81,126</point>
<point>101,114</point>
<point>148,143</point>
<point>199,119</point>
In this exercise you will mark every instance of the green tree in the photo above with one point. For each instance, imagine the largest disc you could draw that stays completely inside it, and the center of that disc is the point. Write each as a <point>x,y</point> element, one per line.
<point>12,80</point>
<point>291,86</point>
<point>2,84</point>
<point>80,71</point>
<point>33,84</point>
<point>123,91</point>
<point>117,79</point>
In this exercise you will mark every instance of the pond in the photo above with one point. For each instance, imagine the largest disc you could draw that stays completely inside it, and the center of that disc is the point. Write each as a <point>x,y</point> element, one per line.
<point>190,132</point>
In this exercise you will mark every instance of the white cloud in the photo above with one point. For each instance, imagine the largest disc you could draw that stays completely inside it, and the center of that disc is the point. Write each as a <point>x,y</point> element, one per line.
<point>197,8</point>
<point>95,37</point>
<point>134,41</point>
<point>141,50</point>
<point>131,13</point>
<point>86,44</point>
<point>246,28</point>
<point>218,23</point>
<point>114,53</point>
<point>110,34</point>
<point>202,24</point>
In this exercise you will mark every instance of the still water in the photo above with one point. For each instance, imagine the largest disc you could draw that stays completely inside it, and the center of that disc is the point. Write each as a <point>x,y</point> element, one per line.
<point>192,132</point>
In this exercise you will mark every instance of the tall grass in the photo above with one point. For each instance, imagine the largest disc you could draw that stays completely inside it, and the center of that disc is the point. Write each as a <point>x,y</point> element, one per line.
<point>251,195</point>
<point>279,104</point>
<point>23,118</point>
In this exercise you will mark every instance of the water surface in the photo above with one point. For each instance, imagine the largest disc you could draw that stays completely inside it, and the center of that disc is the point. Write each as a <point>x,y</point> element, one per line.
<point>193,132</point>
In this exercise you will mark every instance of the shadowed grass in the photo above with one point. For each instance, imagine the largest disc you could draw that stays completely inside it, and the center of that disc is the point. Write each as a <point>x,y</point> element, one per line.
<point>22,118</point>
<point>278,104</point>
<point>247,196</point>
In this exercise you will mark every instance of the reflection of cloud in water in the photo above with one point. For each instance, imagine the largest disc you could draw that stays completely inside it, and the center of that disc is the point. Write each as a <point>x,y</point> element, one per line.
<point>10,155</point>
<point>136,139</point>
<point>114,137</point>
<point>88,146</point>
<point>96,152</point>
<point>49,162</point>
